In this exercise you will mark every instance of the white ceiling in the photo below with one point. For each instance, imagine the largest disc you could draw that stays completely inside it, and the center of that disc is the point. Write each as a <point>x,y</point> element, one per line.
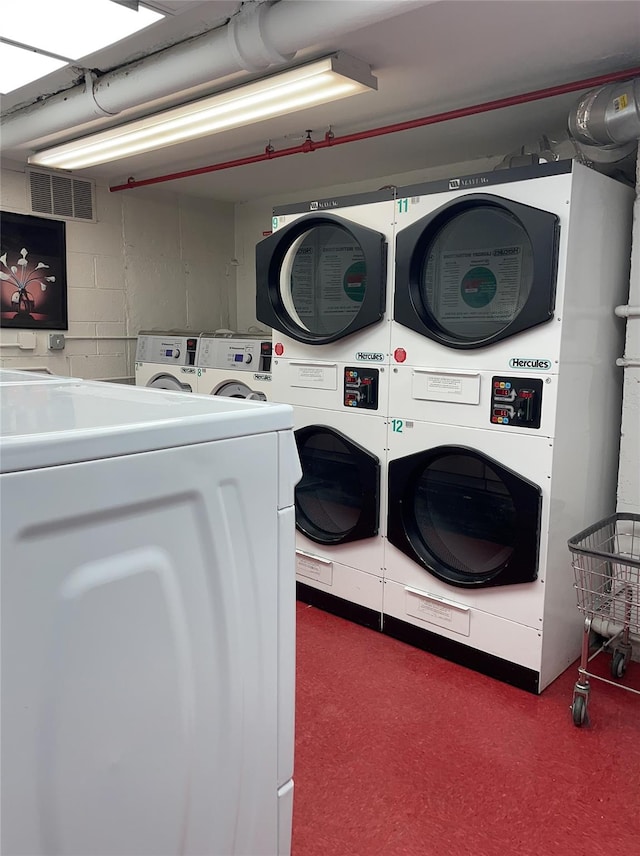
<point>439,57</point>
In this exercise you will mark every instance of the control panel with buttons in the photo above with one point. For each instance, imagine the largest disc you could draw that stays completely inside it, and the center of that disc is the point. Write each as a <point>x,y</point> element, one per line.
<point>361,387</point>
<point>516,402</point>
<point>167,349</point>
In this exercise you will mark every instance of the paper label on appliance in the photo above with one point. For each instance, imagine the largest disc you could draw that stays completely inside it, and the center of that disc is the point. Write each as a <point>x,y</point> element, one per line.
<point>314,568</point>
<point>458,388</point>
<point>264,377</point>
<point>474,285</point>
<point>328,279</point>
<point>314,377</point>
<point>435,611</point>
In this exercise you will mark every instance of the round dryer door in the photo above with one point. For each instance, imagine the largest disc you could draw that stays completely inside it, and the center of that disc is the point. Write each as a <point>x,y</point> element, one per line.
<point>464,517</point>
<point>236,389</point>
<point>321,279</point>
<point>476,271</point>
<point>169,382</point>
<point>337,499</point>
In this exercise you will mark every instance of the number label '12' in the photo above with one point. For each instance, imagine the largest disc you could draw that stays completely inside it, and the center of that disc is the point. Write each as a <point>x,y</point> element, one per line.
<point>396,425</point>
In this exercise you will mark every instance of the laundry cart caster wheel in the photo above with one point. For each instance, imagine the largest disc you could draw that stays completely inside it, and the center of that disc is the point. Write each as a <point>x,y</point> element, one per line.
<point>618,664</point>
<point>579,710</point>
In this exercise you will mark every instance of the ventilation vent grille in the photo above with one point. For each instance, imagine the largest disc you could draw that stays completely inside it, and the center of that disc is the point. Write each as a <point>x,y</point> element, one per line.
<point>62,196</point>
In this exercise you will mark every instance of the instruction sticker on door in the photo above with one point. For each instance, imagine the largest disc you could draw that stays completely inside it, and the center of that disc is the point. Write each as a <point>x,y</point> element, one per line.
<point>314,375</point>
<point>478,284</point>
<point>438,611</point>
<point>314,568</point>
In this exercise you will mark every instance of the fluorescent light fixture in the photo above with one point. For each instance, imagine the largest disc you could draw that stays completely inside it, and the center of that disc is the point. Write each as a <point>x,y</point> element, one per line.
<point>19,66</point>
<point>71,28</point>
<point>318,82</point>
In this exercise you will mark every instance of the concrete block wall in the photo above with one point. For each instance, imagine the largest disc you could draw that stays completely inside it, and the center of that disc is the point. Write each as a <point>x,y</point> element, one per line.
<point>152,260</point>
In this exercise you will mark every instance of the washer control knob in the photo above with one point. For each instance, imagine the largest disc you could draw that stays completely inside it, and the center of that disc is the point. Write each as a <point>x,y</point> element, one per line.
<point>248,358</point>
<point>176,354</point>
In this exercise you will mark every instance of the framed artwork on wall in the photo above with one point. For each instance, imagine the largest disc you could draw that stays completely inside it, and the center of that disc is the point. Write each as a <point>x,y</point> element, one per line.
<point>33,272</point>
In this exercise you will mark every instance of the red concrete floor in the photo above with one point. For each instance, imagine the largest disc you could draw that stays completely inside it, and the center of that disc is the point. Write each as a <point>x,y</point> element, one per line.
<point>400,753</point>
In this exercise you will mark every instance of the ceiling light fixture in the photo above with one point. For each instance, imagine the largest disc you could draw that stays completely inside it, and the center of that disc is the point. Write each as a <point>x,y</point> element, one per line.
<point>328,79</point>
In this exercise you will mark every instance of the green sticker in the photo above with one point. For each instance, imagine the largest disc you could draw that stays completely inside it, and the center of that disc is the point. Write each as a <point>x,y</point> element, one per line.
<point>478,287</point>
<point>355,281</point>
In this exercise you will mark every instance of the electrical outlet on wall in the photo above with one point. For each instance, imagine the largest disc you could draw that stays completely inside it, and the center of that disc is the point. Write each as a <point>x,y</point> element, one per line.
<point>56,341</point>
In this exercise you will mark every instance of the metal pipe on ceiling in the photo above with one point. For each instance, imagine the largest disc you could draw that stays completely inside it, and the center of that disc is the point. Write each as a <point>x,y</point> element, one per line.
<point>260,36</point>
<point>330,140</point>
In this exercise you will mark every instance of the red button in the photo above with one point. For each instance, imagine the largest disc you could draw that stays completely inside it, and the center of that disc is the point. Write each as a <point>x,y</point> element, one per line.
<point>279,349</point>
<point>399,355</point>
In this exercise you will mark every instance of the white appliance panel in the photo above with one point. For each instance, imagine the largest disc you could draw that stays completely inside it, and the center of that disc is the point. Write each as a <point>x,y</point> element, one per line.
<point>147,624</point>
<point>462,397</point>
<point>321,384</point>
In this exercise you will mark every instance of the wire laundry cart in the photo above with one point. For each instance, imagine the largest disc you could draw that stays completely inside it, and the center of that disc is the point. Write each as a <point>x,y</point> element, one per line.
<point>606,563</point>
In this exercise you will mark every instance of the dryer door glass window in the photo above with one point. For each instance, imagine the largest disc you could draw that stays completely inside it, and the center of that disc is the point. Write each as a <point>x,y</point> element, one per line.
<point>477,273</point>
<point>465,515</point>
<point>324,280</point>
<point>337,497</point>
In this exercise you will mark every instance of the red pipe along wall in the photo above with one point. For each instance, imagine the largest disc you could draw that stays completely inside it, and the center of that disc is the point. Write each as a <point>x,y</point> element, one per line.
<point>330,140</point>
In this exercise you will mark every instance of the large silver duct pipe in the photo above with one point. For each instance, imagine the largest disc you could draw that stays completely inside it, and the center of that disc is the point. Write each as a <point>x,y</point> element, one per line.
<point>608,116</point>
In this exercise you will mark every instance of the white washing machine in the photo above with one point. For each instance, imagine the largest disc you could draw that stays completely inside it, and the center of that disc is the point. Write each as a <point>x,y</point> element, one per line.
<point>148,621</point>
<point>509,271</point>
<point>340,512</point>
<point>323,279</point>
<point>238,366</point>
<point>167,360</point>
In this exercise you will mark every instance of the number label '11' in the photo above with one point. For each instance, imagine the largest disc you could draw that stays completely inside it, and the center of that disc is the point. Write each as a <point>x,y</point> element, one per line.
<point>403,206</point>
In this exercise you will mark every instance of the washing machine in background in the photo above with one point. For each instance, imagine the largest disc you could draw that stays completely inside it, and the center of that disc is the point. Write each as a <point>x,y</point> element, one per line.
<point>340,512</point>
<point>237,366</point>
<point>513,270</point>
<point>323,279</point>
<point>167,360</point>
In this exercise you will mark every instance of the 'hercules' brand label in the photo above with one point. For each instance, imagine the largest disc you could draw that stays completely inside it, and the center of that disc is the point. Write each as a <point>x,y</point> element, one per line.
<point>188,370</point>
<point>262,377</point>
<point>369,356</point>
<point>526,363</point>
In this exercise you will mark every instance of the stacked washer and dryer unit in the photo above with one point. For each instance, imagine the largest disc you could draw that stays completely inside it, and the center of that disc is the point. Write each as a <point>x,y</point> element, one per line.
<point>504,410</point>
<point>324,286</point>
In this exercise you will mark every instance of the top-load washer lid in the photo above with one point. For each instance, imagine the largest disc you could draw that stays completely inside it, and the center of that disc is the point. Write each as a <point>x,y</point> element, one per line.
<point>338,497</point>
<point>476,270</point>
<point>321,278</point>
<point>464,517</point>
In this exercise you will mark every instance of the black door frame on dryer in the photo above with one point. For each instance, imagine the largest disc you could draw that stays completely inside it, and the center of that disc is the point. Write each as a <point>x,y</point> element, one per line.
<point>270,254</point>
<point>405,533</point>
<point>412,250</point>
<point>367,467</point>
